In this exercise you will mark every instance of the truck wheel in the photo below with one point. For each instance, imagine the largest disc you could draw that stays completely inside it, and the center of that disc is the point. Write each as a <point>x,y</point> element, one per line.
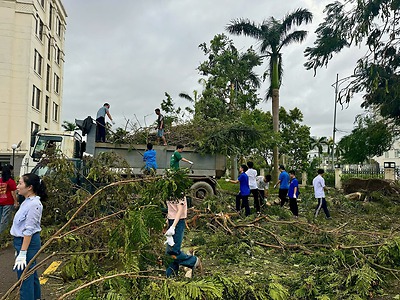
<point>202,190</point>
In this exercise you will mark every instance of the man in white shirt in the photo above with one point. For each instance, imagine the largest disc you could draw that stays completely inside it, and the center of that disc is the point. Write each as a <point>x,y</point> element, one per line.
<point>252,174</point>
<point>319,192</point>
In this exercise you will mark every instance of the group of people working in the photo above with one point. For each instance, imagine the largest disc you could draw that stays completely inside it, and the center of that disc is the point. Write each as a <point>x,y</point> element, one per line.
<point>25,226</point>
<point>105,111</point>
<point>258,186</point>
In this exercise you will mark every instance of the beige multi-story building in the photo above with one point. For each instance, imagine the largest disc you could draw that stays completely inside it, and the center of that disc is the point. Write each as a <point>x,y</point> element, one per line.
<point>31,72</point>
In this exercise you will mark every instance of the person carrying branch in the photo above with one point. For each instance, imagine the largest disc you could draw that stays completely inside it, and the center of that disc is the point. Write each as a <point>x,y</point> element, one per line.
<point>177,156</point>
<point>244,190</point>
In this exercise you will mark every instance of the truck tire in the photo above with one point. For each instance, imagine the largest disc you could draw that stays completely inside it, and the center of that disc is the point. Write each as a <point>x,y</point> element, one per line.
<point>202,190</point>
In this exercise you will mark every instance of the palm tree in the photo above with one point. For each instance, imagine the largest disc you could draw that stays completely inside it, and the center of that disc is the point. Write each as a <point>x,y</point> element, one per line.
<point>319,143</point>
<point>273,35</point>
<point>69,126</point>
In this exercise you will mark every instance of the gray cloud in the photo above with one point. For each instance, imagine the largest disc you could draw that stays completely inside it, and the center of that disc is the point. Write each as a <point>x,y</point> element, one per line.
<point>131,52</point>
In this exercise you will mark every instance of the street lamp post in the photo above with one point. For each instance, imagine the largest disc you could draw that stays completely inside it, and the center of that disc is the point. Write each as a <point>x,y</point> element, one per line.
<point>13,147</point>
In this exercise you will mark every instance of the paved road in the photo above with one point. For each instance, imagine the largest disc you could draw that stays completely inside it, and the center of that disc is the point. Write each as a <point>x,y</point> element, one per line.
<point>8,277</point>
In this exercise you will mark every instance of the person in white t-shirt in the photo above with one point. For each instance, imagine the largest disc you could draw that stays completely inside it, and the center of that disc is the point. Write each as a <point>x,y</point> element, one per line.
<point>319,192</point>
<point>252,174</point>
<point>263,186</point>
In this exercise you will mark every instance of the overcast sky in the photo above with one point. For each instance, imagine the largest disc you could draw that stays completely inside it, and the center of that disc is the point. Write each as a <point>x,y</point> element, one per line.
<point>129,53</point>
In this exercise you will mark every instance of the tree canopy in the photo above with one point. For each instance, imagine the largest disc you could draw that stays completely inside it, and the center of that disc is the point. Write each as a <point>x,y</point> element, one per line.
<point>373,25</point>
<point>369,138</point>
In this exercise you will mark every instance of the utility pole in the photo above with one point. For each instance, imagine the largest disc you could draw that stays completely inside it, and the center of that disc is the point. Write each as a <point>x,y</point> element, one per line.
<point>334,121</point>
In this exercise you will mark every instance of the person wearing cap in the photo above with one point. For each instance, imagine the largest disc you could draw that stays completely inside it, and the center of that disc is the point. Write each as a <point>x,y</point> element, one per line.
<point>101,122</point>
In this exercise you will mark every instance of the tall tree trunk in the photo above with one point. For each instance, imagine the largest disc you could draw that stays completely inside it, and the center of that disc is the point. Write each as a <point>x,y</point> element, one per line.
<point>275,123</point>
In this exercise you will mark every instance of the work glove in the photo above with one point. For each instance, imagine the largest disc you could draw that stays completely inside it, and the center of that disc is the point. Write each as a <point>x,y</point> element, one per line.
<point>294,196</point>
<point>20,261</point>
<point>170,231</point>
<point>113,122</point>
<point>190,162</point>
<point>227,179</point>
<point>170,240</point>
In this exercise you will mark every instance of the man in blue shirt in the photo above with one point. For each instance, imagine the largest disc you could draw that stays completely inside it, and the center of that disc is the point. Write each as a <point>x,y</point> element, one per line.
<point>244,192</point>
<point>149,157</point>
<point>283,182</point>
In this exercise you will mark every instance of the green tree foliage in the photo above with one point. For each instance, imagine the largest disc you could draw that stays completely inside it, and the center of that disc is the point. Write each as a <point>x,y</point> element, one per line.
<point>374,24</point>
<point>273,35</point>
<point>231,84</point>
<point>69,126</point>
<point>295,138</point>
<point>369,138</point>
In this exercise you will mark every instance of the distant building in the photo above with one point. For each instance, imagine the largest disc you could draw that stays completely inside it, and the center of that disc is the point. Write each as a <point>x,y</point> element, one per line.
<point>31,71</point>
<point>393,155</point>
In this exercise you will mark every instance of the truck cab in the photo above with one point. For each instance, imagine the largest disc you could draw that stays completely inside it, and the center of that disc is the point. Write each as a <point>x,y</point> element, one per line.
<point>68,142</point>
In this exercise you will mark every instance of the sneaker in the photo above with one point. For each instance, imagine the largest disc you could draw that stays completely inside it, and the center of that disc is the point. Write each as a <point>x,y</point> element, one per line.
<point>328,218</point>
<point>197,266</point>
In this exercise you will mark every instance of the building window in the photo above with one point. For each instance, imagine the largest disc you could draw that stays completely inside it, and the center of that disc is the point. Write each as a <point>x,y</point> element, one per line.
<point>397,153</point>
<point>56,83</point>
<point>55,111</point>
<point>34,127</point>
<point>39,28</point>
<point>46,110</point>
<point>37,63</point>
<point>58,27</point>
<point>49,48</point>
<point>50,16</point>
<point>57,54</point>
<point>36,94</point>
<point>48,72</point>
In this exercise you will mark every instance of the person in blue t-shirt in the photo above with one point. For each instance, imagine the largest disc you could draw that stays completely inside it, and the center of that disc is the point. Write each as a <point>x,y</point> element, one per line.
<point>244,190</point>
<point>293,193</point>
<point>149,157</point>
<point>283,182</point>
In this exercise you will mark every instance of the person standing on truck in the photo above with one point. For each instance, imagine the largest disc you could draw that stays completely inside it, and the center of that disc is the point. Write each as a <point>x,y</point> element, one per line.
<point>26,231</point>
<point>176,157</point>
<point>149,157</point>
<point>8,197</point>
<point>160,127</point>
<point>283,182</point>
<point>244,190</point>
<point>101,122</point>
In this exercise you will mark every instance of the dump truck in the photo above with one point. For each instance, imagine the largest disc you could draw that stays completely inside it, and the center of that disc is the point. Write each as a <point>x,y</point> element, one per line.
<point>204,172</point>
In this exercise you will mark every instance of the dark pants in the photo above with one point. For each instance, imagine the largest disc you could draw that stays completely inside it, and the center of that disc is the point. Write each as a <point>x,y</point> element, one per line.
<point>30,289</point>
<point>261,196</point>
<point>293,206</point>
<point>179,257</point>
<point>101,129</point>
<point>244,204</point>
<point>283,196</point>
<point>256,197</point>
<point>322,204</point>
